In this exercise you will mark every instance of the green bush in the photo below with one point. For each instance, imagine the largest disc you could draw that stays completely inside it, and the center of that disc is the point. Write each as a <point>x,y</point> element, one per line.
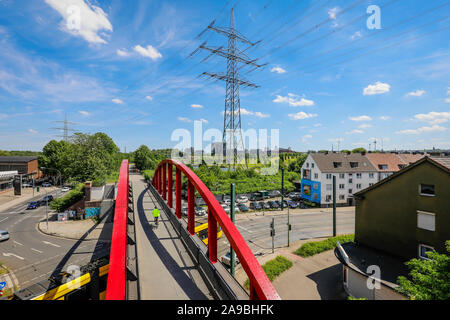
<point>274,268</point>
<point>75,195</point>
<point>312,248</point>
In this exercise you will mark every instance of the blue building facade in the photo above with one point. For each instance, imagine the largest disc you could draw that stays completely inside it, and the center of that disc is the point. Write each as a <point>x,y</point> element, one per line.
<point>310,190</point>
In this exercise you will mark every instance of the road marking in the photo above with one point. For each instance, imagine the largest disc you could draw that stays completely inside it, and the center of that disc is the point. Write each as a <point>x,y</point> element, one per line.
<point>4,219</point>
<point>36,250</point>
<point>244,228</point>
<point>51,244</point>
<point>18,243</point>
<point>12,255</point>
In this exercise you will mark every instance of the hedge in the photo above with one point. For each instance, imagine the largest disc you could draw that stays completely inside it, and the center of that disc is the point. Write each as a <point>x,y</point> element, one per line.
<point>312,248</point>
<point>75,195</point>
<point>274,268</point>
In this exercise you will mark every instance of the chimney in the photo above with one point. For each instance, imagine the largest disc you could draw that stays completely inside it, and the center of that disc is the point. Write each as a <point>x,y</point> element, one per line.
<point>87,190</point>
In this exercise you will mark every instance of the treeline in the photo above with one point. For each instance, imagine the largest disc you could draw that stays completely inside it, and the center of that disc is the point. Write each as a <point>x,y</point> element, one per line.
<point>19,153</point>
<point>146,159</point>
<point>85,158</point>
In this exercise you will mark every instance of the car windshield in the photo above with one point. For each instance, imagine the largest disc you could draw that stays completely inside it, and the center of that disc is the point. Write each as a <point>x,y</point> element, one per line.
<point>4,233</point>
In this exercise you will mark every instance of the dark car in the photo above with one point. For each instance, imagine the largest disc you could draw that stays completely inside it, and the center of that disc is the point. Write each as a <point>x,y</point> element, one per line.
<point>243,207</point>
<point>265,205</point>
<point>274,194</point>
<point>255,206</point>
<point>46,184</point>
<point>33,205</point>
<point>274,204</point>
<point>44,200</point>
<point>292,204</point>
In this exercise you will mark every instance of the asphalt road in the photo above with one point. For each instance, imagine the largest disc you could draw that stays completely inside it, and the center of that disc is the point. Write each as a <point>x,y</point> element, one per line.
<point>33,256</point>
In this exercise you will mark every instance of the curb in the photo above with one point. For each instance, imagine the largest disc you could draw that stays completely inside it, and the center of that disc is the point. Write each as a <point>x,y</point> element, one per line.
<point>65,237</point>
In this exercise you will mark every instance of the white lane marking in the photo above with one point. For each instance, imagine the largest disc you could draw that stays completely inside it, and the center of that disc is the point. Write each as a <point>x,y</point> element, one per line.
<point>51,244</point>
<point>36,250</point>
<point>4,219</point>
<point>244,228</point>
<point>18,243</point>
<point>12,255</point>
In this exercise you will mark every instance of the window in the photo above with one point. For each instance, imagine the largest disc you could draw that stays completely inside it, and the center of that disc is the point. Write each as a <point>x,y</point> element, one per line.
<point>358,186</point>
<point>312,165</point>
<point>426,220</point>
<point>337,164</point>
<point>342,176</point>
<point>307,165</point>
<point>316,196</point>
<point>358,176</point>
<point>423,249</point>
<point>341,197</point>
<point>354,164</point>
<point>426,190</point>
<point>329,187</point>
<point>382,166</point>
<point>350,174</point>
<point>342,186</point>
<point>316,176</point>
<point>371,175</point>
<point>350,191</point>
<point>350,180</point>
<point>328,176</point>
<point>316,186</point>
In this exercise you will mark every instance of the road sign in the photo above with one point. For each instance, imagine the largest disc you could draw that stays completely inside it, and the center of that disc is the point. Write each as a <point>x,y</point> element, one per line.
<point>2,285</point>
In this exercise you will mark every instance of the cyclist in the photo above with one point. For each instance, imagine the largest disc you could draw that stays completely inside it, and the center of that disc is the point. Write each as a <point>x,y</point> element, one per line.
<point>155,213</point>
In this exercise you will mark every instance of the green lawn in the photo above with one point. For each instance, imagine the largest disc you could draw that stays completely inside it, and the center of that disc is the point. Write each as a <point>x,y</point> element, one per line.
<point>312,248</point>
<point>274,268</point>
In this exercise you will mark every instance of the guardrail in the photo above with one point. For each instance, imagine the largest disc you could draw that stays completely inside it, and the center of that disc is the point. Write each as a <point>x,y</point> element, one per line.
<point>260,286</point>
<point>116,285</point>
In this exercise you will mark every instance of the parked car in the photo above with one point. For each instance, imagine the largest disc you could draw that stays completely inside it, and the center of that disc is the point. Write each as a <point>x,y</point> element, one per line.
<point>200,212</point>
<point>226,208</point>
<point>46,184</point>
<point>242,199</point>
<point>184,211</point>
<point>292,204</point>
<point>274,193</point>
<point>4,235</point>
<point>27,185</point>
<point>273,205</point>
<point>255,206</point>
<point>226,259</point>
<point>33,205</point>
<point>65,189</point>
<point>242,207</point>
<point>265,205</point>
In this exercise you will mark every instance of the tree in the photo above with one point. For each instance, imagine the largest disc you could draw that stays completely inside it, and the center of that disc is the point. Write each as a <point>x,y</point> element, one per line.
<point>143,159</point>
<point>359,150</point>
<point>429,279</point>
<point>296,166</point>
<point>55,155</point>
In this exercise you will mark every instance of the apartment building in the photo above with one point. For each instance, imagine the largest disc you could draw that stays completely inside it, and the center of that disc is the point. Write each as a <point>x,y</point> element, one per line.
<point>387,164</point>
<point>354,172</point>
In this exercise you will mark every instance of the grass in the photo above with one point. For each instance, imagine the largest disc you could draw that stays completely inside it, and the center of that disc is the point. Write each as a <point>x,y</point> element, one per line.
<point>3,269</point>
<point>273,268</point>
<point>312,248</point>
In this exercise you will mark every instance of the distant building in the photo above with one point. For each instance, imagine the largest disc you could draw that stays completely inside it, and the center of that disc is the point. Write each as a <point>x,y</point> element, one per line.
<point>388,163</point>
<point>27,166</point>
<point>399,218</point>
<point>6,180</point>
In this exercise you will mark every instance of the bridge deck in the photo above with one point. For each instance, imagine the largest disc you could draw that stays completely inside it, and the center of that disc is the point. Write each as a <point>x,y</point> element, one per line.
<point>165,269</point>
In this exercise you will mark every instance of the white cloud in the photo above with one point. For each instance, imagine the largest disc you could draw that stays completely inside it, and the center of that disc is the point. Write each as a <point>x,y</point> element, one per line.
<point>377,88</point>
<point>123,53</point>
<point>361,118</point>
<point>84,113</point>
<point>196,106</point>
<point>92,19</point>
<point>302,116</point>
<point>182,119</point>
<point>293,100</point>
<point>333,12</point>
<point>278,70</point>
<point>433,117</point>
<point>357,34</point>
<point>32,131</point>
<point>417,93</point>
<point>365,126</point>
<point>385,118</point>
<point>434,128</point>
<point>356,131</point>
<point>149,98</point>
<point>261,115</point>
<point>258,114</point>
<point>306,137</point>
<point>117,101</point>
<point>149,52</point>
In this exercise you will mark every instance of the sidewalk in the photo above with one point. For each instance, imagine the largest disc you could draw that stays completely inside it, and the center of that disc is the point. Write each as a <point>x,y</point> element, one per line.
<point>87,230</point>
<point>8,199</point>
<point>313,278</point>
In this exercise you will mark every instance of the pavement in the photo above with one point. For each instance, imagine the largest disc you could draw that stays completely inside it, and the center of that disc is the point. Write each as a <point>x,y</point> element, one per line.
<point>9,200</point>
<point>314,278</point>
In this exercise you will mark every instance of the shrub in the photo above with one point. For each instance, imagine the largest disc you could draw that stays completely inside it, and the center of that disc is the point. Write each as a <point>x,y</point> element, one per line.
<point>274,268</point>
<point>69,199</point>
<point>312,248</point>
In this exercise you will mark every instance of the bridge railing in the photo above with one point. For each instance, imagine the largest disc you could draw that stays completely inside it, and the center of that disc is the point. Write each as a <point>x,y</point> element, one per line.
<point>115,288</point>
<point>260,286</point>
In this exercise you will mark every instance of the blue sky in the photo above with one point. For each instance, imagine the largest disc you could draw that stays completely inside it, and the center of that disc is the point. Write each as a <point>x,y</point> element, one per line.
<point>125,71</point>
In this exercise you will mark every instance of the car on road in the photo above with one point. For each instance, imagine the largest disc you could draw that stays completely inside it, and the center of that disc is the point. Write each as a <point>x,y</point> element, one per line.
<point>46,185</point>
<point>226,259</point>
<point>65,189</point>
<point>4,235</point>
<point>33,205</point>
<point>46,199</point>
<point>200,212</point>
<point>243,208</point>
<point>265,205</point>
<point>27,185</point>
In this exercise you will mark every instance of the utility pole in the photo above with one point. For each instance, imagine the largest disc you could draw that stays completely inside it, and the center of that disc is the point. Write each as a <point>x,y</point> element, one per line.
<point>282,189</point>
<point>334,206</point>
<point>232,131</point>
<point>272,234</point>
<point>232,253</point>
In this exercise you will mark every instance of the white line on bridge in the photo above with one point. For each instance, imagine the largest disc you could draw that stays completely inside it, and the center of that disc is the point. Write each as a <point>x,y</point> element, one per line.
<point>51,244</point>
<point>36,250</point>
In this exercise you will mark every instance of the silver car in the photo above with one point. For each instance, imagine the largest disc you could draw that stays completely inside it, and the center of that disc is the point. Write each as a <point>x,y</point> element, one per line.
<point>4,235</point>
